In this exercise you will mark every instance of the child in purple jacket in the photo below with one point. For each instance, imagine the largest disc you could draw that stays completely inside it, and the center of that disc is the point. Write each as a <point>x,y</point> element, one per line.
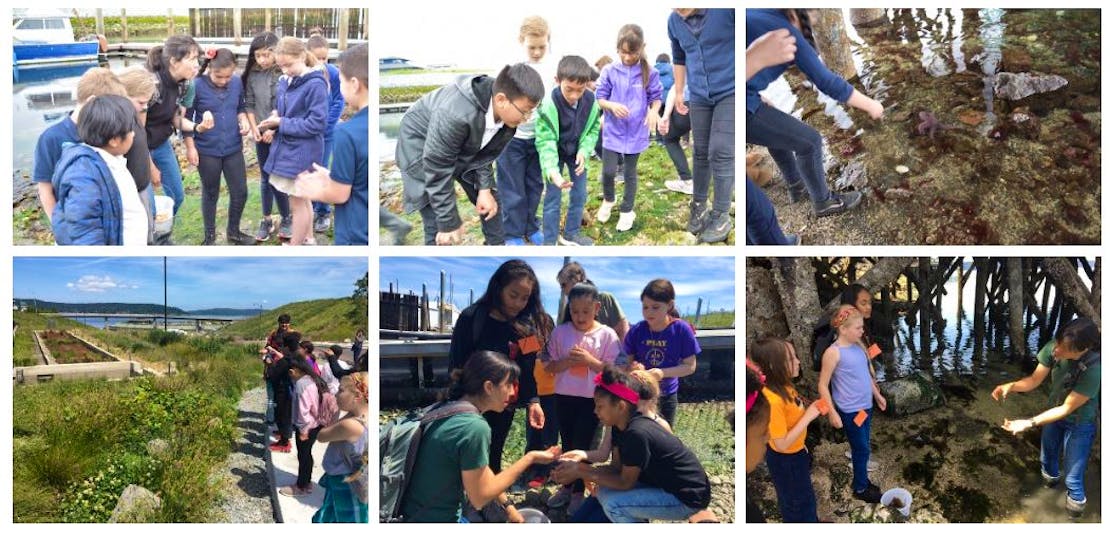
<point>630,94</point>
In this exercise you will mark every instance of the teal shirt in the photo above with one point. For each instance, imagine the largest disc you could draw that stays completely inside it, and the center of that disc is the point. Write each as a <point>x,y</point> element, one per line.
<point>448,447</point>
<point>1089,384</point>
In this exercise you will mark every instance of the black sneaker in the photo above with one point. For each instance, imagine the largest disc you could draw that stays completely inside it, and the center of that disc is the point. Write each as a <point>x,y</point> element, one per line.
<point>837,203</point>
<point>239,238</point>
<point>265,228</point>
<point>796,192</point>
<point>209,238</point>
<point>717,227</point>
<point>699,216</point>
<point>872,494</point>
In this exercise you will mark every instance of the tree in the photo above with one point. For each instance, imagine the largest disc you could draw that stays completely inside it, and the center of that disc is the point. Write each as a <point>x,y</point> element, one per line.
<point>360,299</point>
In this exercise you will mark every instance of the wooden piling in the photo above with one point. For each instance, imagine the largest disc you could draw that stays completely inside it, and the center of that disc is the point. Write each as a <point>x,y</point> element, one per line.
<point>1016,304</point>
<point>923,266</point>
<point>123,23</point>
<point>981,274</point>
<point>169,17</point>
<point>237,26</point>
<point>344,25</point>
<point>960,290</point>
<point>269,26</point>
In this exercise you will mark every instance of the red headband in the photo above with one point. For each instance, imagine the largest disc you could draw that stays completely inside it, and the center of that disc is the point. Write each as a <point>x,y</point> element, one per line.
<point>619,390</point>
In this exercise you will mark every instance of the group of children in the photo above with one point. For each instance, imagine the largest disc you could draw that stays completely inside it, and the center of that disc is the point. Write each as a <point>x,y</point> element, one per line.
<point>577,379</point>
<point>480,120</point>
<point>778,416</point>
<point>308,393</point>
<point>96,169</point>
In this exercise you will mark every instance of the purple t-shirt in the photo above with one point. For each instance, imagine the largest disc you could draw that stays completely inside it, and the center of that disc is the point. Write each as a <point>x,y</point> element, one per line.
<point>663,349</point>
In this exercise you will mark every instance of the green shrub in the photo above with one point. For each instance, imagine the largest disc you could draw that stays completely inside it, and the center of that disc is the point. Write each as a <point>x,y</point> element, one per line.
<point>162,337</point>
<point>93,499</point>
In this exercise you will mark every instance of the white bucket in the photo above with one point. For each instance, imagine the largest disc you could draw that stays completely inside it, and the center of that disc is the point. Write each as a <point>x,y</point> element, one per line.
<point>163,218</point>
<point>533,516</point>
<point>901,494</point>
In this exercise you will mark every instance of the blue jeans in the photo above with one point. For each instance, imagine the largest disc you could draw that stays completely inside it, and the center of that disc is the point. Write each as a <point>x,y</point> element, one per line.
<point>714,130</point>
<point>324,208</point>
<point>553,203</point>
<point>859,438</point>
<point>672,141</point>
<point>269,193</point>
<point>520,184</point>
<point>1076,441</point>
<point>590,512</point>
<point>794,145</point>
<point>166,161</point>
<point>641,504</point>
<point>763,223</point>
<point>793,485</point>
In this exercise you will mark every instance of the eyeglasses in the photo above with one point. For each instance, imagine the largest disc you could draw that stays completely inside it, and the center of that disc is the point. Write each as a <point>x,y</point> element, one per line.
<point>524,115</point>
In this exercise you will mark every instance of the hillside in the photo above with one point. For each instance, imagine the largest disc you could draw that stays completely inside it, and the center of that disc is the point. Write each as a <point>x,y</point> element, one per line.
<point>317,319</point>
<point>107,307</point>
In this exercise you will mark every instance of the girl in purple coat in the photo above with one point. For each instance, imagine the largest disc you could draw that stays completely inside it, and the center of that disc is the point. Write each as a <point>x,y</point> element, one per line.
<point>630,94</point>
<point>301,119</point>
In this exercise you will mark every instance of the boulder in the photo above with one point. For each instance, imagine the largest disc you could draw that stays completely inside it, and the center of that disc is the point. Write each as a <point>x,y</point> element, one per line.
<point>867,18</point>
<point>136,505</point>
<point>1010,86</point>
<point>911,394</point>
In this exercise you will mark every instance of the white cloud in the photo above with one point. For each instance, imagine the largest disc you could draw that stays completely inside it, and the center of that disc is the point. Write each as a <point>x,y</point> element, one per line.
<point>94,283</point>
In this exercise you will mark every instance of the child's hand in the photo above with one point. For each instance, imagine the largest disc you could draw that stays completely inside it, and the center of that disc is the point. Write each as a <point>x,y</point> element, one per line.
<point>244,127</point>
<point>268,136</point>
<point>635,365</point>
<point>486,204</point>
<point>449,238</point>
<point>574,455</point>
<point>651,120</point>
<point>834,419</point>
<point>881,402</point>
<point>875,109</point>
<point>312,184</point>
<point>271,123</point>
<point>812,412</point>
<point>772,48</point>
<point>192,155</point>
<point>558,181</point>
<point>657,372</point>
<point>155,176</point>
<point>255,134</point>
<point>664,126</point>
<point>1000,392</point>
<point>618,110</point>
<point>208,122</point>
<point>680,104</point>
<point>579,164</point>
<point>578,352</point>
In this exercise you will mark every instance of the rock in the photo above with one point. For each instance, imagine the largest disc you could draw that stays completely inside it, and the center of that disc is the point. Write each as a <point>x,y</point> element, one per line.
<point>157,447</point>
<point>867,18</point>
<point>972,117</point>
<point>902,169</point>
<point>760,168</point>
<point>911,394</point>
<point>1012,86</point>
<point>853,175</point>
<point>135,505</point>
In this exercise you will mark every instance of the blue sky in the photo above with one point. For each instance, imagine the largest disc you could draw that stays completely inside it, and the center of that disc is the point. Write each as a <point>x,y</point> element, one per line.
<point>194,282</point>
<point>711,278</point>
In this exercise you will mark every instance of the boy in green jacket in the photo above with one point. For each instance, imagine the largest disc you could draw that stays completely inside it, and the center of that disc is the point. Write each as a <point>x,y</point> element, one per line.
<point>566,132</point>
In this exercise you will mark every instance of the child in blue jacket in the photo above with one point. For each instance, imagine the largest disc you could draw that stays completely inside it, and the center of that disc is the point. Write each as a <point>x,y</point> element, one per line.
<point>301,117</point>
<point>97,201</point>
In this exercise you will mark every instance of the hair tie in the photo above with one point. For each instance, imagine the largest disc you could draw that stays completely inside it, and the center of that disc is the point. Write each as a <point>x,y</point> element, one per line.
<point>210,53</point>
<point>751,401</point>
<point>619,390</point>
<point>762,380</point>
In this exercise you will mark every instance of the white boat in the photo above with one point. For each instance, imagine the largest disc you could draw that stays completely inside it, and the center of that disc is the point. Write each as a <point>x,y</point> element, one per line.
<point>46,36</point>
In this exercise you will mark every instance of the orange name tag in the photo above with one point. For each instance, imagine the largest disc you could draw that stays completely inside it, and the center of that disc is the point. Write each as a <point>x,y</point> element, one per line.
<point>822,406</point>
<point>529,344</point>
<point>860,418</point>
<point>579,371</point>
<point>873,351</point>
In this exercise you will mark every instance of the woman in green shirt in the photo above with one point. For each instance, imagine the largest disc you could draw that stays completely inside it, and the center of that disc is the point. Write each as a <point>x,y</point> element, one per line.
<point>452,464</point>
<point>1073,358</point>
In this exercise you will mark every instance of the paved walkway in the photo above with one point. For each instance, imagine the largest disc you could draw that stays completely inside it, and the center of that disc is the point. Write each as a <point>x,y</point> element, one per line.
<point>297,509</point>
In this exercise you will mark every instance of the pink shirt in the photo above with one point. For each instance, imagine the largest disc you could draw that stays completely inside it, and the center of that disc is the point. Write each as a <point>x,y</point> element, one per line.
<point>602,342</point>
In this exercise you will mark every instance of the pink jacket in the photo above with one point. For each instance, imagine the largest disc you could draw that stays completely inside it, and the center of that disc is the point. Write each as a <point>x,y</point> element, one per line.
<point>307,400</point>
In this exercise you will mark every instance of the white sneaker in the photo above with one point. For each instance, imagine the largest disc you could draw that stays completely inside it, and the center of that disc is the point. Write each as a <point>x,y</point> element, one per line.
<point>680,185</point>
<point>626,220</point>
<point>604,211</point>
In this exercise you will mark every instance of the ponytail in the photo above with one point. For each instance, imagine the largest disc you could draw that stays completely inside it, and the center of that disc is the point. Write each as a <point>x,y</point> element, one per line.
<point>632,37</point>
<point>802,16</point>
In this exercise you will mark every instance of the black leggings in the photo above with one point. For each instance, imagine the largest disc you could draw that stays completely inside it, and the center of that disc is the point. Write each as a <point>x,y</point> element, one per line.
<point>577,425</point>
<point>234,170</point>
<point>305,461</point>
<point>668,408</point>
<point>283,403</point>
<point>609,162</point>
<point>499,424</point>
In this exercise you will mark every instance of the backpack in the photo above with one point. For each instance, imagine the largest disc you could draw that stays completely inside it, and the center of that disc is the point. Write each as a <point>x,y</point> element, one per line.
<point>1079,368</point>
<point>328,412</point>
<point>398,445</point>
